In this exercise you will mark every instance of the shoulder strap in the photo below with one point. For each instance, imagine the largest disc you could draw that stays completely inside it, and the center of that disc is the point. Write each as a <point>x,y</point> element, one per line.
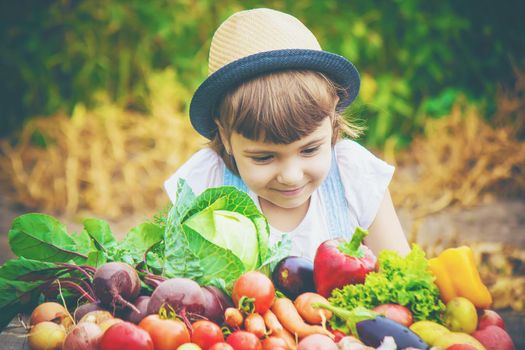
<point>336,205</point>
<point>230,179</point>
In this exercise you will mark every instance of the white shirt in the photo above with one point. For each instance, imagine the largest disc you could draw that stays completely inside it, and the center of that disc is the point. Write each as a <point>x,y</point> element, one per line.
<point>365,180</point>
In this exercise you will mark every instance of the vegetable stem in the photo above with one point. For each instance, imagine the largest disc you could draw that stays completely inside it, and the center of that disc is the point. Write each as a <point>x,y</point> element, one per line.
<point>84,284</point>
<point>80,269</point>
<point>353,248</point>
<point>73,287</point>
<point>350,317</point>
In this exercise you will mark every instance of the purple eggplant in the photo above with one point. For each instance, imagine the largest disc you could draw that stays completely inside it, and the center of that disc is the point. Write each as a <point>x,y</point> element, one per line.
<point>293,276</point>
<point>371,328</point>
<point>372,332</point>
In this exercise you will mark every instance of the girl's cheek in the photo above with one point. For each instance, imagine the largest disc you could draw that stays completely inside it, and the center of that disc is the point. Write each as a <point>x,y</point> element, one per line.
<point>255,175</point>
<point>319,167</point>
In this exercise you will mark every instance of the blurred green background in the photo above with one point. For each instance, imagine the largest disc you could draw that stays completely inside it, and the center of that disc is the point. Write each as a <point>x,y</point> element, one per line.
<point>415,57</point>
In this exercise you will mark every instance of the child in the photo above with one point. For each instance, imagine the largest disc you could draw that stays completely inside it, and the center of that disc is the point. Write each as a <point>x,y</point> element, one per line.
<point>270,107</point>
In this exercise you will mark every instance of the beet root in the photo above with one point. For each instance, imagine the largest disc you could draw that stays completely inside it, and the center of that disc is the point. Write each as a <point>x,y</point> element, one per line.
<point>116,284</point>
<point>216,303</point>
<point>141,303</point>
<point>181,295</point>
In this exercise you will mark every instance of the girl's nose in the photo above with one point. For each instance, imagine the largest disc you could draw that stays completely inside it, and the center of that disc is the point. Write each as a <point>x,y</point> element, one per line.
<point>290,175</point>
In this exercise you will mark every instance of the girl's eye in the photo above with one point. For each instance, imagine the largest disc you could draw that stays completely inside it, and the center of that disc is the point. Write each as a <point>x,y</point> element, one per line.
<point>262,159</point>
<point>311,150</point>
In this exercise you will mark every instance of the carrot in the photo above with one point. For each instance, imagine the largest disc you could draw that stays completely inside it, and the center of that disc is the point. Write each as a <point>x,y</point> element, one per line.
<point>303,304</point>
<point>277,329</point>
<point>254,323</point>
<point>287,314</point>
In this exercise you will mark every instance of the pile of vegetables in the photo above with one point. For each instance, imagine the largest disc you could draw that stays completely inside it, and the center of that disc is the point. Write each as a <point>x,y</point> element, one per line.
<point>203,276</point>
<point>211,239</point>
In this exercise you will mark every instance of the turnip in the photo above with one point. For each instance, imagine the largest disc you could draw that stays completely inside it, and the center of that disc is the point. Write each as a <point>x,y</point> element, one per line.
<point>51,311</point>
<point>182,295</point>
<point>96,317</point>
<point>84,336</point>
<point>46,335</point>
<point>116,284</point>
<point>216,303</point>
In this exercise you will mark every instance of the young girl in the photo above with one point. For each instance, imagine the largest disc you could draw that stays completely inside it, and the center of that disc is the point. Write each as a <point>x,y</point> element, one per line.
<point>271,108</point>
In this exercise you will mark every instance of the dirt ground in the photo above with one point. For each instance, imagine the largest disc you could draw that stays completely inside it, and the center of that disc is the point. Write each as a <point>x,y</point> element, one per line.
<point>501,221</point>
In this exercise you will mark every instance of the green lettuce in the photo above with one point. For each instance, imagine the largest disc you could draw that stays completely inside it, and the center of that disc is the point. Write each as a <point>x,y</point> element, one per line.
<point>401,280</point>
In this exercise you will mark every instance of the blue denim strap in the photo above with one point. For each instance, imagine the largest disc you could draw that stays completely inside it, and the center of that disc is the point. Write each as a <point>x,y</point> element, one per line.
<point>336,205</point>
<point>230,179</point>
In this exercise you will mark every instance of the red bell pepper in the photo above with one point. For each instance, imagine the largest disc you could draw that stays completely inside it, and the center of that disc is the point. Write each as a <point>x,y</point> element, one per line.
<point>338,262</point>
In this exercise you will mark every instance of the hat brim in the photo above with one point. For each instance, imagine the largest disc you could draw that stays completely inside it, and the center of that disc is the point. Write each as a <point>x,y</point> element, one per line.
<point>206,98</point>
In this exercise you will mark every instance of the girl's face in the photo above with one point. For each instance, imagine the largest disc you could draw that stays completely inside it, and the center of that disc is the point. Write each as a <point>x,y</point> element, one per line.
<point>284,175</point>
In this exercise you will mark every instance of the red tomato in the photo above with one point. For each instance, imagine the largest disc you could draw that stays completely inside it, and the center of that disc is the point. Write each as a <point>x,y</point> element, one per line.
<point>338,335</point>
<point>254,285</point>
<point>205,334</point>
<point>221,346</point>
<point>242,340</point>
<point>166,334</point>
<point>125,335</point>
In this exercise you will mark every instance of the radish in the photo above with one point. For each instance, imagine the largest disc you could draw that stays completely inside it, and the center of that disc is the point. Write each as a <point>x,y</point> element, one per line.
<point>182,295</point>
<point>84,336</point>
<point>116,284</point>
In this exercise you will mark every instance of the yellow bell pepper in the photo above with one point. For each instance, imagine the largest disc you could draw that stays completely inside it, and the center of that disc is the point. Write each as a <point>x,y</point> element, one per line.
<point>457,276</point>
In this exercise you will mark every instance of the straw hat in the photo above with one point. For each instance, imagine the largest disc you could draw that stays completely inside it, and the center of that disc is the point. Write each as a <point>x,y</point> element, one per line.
<point>258,41</point>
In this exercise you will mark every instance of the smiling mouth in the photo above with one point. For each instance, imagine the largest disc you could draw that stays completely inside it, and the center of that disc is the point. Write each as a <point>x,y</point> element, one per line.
<point>291,192</point>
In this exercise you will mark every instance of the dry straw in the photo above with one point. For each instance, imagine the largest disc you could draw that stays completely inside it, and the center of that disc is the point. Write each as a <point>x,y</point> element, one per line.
<point>460,160</point>
<point>105,161</point>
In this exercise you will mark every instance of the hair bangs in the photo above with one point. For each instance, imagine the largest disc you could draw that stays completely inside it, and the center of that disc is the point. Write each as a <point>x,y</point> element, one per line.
<point>282,107</point>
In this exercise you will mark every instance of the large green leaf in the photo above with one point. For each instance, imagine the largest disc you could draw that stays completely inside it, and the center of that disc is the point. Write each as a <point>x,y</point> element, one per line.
<point>42,237</point>
<point>139,240</point>
<point>142,237</point>
<point>84,242</point>
<point>179,260</point>
<point>100,232</point>
<point>22,269</point>
<point>12,291</point>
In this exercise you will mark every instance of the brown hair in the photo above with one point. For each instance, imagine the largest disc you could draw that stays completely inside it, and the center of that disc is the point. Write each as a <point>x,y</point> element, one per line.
<point>281,108</point>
